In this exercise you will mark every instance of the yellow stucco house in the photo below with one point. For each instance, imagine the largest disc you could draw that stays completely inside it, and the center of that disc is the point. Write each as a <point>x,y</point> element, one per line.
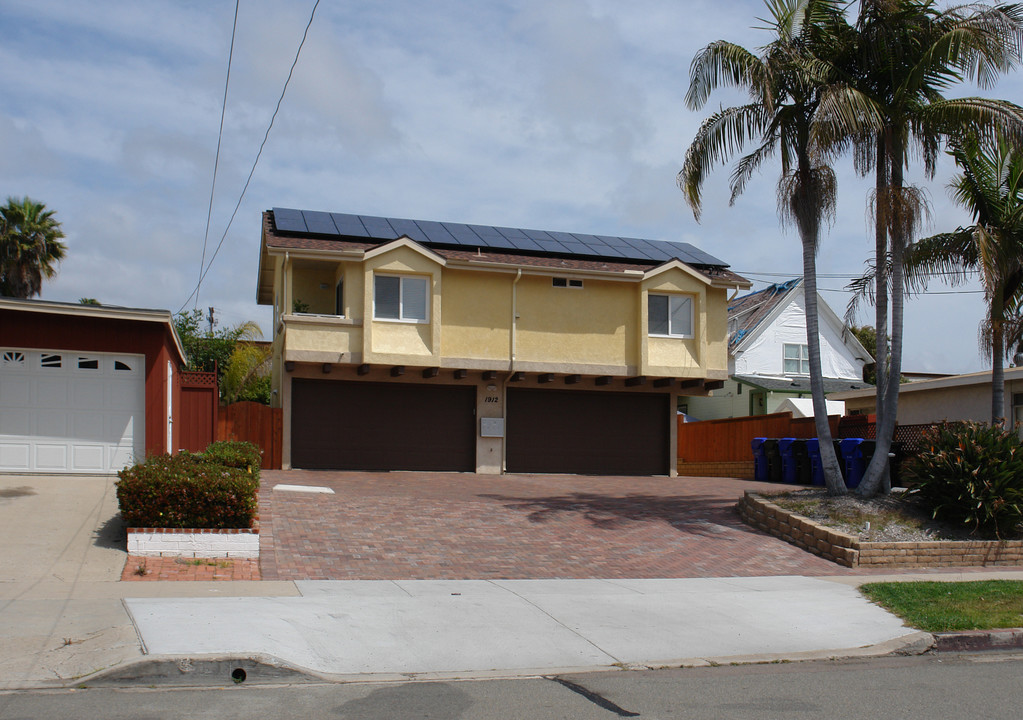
<point>415,345</point>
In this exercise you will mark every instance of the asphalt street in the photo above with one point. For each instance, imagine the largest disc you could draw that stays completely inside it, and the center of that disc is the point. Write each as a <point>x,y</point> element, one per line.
<point>977,686</point>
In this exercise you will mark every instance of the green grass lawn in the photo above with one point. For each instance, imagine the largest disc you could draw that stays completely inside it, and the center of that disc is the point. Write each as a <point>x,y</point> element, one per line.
<point>941,606</point>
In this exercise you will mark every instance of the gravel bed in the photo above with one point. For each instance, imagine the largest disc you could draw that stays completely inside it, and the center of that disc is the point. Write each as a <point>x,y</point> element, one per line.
<point>912,524</point>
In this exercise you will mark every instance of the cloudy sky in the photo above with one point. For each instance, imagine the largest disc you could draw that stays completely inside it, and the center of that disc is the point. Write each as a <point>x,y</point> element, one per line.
<point>554,114</point>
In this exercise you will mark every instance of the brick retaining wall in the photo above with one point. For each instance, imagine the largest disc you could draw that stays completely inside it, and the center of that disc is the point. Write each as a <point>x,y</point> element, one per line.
<point>848,550</point>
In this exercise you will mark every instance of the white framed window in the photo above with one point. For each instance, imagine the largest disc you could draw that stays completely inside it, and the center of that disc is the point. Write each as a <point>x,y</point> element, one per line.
<point>401,297</point>
<point>566,282</point>
<point>796,359</point>
<point>670,315</point>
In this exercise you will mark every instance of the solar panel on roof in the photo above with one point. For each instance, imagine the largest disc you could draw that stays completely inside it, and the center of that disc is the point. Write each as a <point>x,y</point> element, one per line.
<point>378,227</point>
<point>702,257</point>
<point>511,233</point>
<point>524,243</point>
<point>485,232</point>
<point>349,225</point>
<point>408,228</point>
<point>563,237</point>
<point>464,235</point>
<point>288,220</point>
<point>436,232</point>
<point>319,222</point>
<point>487,236</point>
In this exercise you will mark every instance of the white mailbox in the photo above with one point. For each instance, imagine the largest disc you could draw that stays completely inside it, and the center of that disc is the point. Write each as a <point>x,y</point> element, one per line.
<point>492,427</point>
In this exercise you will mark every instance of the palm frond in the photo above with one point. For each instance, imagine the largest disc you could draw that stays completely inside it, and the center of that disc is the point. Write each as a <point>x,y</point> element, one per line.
<point>723,64</point>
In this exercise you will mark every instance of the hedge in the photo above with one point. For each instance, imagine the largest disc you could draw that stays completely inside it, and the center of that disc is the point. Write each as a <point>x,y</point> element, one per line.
<point>209,490</point>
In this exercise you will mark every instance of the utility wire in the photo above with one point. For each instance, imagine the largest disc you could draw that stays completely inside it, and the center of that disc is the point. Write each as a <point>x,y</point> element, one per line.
<point>216,159</point>
<point>266,136</point>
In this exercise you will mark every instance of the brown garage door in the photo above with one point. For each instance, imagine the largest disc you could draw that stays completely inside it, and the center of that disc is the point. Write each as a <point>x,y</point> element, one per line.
<point>552,431</point>
<point>382,426</point>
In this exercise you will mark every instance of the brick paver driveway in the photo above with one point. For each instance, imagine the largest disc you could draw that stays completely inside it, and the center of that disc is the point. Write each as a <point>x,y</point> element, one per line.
<point>388,526</point>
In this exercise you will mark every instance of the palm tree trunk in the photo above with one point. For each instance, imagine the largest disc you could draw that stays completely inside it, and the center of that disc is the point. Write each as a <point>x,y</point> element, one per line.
<point>997,358</point>
<point>888,403</point>
<point>878,467</point>
<point>829,460</point>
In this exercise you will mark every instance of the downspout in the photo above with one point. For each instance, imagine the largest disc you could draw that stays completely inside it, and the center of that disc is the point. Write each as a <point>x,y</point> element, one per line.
<point>514,317</point>
<point>511,369</point>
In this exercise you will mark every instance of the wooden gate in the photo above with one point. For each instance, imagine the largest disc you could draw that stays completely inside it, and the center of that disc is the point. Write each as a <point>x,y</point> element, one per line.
<point>254,423</point>
<point>197,416</point>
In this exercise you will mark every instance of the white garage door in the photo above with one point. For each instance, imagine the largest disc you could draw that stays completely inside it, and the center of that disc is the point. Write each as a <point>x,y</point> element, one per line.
<point>66,411</point>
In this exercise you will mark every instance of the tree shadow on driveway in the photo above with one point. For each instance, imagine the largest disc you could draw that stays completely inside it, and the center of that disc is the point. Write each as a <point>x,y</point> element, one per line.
<point>703,515</point>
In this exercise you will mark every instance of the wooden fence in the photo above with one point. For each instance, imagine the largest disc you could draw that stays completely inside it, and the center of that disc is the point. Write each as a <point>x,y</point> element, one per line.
<point>721,448</point>
<point>254,423</point>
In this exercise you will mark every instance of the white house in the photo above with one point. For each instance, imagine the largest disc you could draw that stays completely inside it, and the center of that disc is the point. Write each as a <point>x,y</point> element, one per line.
<point>769,361</point>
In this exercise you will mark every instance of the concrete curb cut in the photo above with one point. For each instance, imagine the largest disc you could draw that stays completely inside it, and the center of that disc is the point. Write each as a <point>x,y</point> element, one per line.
<point>979,640</point>
<point>203,670</point>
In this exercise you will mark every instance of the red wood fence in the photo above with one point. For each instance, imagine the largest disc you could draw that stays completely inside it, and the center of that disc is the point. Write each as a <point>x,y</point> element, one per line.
<point>197,416</point>
<point>254,423</point>
<point>729,440</point>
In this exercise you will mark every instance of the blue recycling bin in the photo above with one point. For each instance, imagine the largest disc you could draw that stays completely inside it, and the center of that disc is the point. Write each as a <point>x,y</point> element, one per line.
<point>813,451</point>
<point>760,470</point>
<point>788,460</point>
<point>852,460</point>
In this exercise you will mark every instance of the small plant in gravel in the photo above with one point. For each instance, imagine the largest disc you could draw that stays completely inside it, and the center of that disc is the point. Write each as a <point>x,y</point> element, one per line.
<point>971,475</point>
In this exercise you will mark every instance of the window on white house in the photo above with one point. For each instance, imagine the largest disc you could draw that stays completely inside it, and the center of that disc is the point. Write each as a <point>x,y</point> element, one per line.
<point>670,315</point>
<point>797,359</point>
<point>401,298</point>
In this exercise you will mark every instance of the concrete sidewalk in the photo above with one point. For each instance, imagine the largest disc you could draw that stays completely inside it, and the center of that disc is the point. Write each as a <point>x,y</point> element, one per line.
<point>344,628</point>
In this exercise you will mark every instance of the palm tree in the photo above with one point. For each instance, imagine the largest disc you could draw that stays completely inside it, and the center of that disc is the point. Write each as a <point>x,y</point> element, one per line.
<point>909,52</point>
<point>29,247</point>
<point>991,189</point>
<point>800,109</point>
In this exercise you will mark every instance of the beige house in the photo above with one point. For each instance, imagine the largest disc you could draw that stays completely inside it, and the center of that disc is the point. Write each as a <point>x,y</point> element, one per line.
<point>955,397</point>
<point>418,345</point>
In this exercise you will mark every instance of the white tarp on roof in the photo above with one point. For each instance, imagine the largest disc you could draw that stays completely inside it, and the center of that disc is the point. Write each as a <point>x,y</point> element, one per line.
<point>803,407</point>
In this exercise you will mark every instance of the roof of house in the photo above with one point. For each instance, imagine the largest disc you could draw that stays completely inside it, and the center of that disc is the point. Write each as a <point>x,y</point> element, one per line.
<point>747,312</point>
<point>289,229</point>
<point>799,383</point>
<point>942,383</point>
<point>110,312</point>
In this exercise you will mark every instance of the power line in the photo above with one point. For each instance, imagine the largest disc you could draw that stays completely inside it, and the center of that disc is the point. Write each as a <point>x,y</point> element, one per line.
<point>833,276</point>
<point>216,159</point>
<point>266,136</point>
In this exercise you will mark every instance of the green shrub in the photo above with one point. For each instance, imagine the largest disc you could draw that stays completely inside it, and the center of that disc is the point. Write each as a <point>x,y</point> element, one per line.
<point>236,454</point>
<point>971,475</point>
<point>187,491</point>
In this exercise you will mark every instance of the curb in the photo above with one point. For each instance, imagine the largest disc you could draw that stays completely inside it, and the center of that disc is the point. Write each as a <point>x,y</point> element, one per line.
<point>199,670</point>
<point>979,640</point>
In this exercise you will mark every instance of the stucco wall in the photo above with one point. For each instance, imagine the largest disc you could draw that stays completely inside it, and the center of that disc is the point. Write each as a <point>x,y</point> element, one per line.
<point>600,328</point>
